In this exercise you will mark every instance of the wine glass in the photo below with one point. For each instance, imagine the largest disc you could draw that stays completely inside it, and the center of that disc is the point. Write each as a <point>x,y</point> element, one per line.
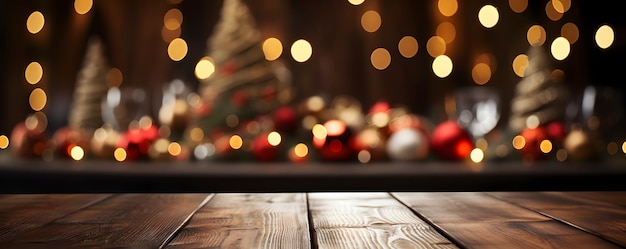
<point>477,109</point>
<point>123,105</point>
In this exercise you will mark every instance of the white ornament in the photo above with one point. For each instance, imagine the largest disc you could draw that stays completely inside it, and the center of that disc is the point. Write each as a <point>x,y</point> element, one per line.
<point>407,144</point>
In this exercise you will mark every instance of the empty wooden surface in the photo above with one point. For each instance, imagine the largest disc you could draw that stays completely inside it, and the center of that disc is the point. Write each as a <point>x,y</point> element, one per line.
<point>248,221</point>
<point>315,220</point>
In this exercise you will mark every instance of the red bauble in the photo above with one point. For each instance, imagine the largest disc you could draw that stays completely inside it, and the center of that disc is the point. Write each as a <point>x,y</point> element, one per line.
<point>285,119</point>
<point>335,145</point>
<point>263,150</point>
<point>371,139</point>
<point>533,138</point>
<point>556,131</point>
<point>67,137</point>
<point>28,143</point>
<point>450,141</point>
<point>136,141</point>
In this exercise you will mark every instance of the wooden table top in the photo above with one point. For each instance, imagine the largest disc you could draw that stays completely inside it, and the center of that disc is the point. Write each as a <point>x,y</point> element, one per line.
<point>22,176</point>
<point>315,220</point>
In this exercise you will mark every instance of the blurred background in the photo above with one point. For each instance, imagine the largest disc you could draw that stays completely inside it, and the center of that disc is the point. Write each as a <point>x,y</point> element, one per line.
<point>372,50</point>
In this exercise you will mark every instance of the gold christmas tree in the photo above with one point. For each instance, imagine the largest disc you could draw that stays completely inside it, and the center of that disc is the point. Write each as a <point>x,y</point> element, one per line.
<point>244,83</point>
<point>90,88</point>
<point>537,94</point>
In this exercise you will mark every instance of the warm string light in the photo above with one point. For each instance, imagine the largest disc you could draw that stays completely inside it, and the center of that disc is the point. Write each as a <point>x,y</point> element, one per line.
<point>172,28</point>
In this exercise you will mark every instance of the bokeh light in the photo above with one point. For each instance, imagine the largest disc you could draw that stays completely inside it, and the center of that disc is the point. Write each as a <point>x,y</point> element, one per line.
<point>38,99</point>
<point>561,6</point>
<point>488,16</point>
<point>83,6</point>
<point>371,21</point>
<point>561,155</point>
<point>235,142</point>
<point>119,154</point>
<point>114,77</point>
<point>442,66</point>
<point>174,149</point>
<point>173,19</point>
<point>436,46</point>
<point>477,155</point>
<point>364,156</point>
<point>518,6</point>
<point>380,58</point>
<point>447,31</point>
<point>552,13</point>
<point>272,48</point>
<point>536,35</point>
<point>274,138</point>
<point>604,36</point>
<point>356,2</point>
<point>408,46</point>
<point>560,48</point>
<point>4,142</point>
<point>545,146</point>
<point>570,32</point>
<point>519,142</point>
<point>35,22</point>
<point>77,153</point>
<point>447,7</point>
<point>481,73</point>
<point>301,50</point>
<point>33,73</point>
<point>319,131</point>
<point>301,150</point>
<point>519,64</point>
<point>177,50</point>
<point>204,68</point>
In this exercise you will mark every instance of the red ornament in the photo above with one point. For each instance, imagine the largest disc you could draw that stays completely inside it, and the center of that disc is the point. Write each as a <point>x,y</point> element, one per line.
<point>285,119</point>
<point>335,144</point>
<point>371,139</point>
<point>263,150</point>
<point>532,142</point>
<point>556,131</point>
<point>137,140</point>
<point>28,142</point>
<point>66,138</point>
<point>450,141</point>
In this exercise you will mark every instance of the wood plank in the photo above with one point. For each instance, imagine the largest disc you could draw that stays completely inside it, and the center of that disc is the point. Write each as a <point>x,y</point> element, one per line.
<point>600,218</point>
<point>274,220</point>
<point>128,220</point>
<point>369,220</point>
<point>477,220</point>
<point>22,213</point>
<point>613,197</point>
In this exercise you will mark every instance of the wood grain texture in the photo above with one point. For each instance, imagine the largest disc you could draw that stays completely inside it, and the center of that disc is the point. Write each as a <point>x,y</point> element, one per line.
<point>20,214</point>
<point>369,220</point>
<point>477,220</point>
<point>613,197</point>
<point>273,220</point>
<point>603,219</point>
<point>128,220</point>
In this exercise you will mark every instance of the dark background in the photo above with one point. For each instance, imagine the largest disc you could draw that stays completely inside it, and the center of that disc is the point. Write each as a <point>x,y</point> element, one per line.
<point>131,31</point>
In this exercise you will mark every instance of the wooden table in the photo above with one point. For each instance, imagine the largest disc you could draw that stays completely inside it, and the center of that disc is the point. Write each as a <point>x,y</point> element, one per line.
<point>315,220</point>
<point>89,204</point>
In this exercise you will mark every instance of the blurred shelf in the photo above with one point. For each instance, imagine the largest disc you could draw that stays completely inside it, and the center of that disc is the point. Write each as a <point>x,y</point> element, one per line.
<point>22,176</point>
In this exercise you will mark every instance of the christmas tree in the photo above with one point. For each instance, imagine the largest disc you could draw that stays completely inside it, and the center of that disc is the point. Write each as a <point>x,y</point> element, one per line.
<point>244,83</point>
<point>85,113</point>
<point>537,94</point>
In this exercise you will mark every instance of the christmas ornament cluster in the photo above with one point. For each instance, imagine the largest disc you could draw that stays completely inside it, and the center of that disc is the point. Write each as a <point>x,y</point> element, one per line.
<point>245,111</point>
